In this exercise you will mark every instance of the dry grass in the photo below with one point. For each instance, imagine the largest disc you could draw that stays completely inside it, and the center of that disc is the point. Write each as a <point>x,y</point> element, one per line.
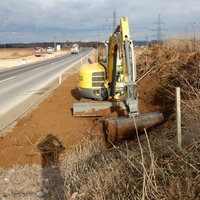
<point>15,53</point>
<point>185,44</point>
<point>133,171</point>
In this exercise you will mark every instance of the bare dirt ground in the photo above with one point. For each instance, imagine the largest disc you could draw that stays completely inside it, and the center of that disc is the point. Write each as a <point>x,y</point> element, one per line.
<point>52,117</point>
<point>56,114</point>
<point>15,57</point>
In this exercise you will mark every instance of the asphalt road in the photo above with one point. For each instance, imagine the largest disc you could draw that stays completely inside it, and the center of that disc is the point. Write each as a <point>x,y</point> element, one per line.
<point>17,84</point>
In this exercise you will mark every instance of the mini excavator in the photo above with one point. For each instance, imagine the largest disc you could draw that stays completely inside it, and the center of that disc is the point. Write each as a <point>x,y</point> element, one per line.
<point>112,83</point>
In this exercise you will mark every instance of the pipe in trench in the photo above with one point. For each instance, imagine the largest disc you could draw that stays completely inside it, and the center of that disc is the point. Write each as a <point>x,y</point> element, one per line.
<point>123,128</point>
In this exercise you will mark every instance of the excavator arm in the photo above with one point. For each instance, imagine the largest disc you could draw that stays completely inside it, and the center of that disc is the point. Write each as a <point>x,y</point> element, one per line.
<point>121,49</point>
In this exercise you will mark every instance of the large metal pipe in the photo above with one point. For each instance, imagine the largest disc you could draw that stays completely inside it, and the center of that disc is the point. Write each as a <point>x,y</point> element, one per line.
<point>123,128</point>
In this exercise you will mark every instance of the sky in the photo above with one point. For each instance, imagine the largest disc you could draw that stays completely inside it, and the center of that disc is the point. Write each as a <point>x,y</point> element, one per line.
<point>91,20</point>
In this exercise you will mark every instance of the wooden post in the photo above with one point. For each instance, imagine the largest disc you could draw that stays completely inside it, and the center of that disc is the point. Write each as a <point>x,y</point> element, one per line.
<point>178,115</point>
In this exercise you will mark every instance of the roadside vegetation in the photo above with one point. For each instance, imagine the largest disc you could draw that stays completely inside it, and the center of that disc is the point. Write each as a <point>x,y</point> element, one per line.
<point>149,167</point>
<point>152,166</point>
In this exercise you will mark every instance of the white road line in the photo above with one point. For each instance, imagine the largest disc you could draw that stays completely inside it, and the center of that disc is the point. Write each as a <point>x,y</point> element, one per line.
<point>36,69</point>
<point>7,79</point>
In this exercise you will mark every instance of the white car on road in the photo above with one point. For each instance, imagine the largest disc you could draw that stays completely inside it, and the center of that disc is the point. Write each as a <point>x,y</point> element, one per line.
<point>75,49</point>
<point>50,50</point>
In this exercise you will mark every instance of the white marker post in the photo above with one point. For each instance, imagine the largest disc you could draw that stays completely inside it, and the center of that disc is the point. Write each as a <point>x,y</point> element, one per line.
<point>178,115</point>
<point>24,61</point>
<point>81,59</point>
<point>58,49</point>
<point>60,79</point>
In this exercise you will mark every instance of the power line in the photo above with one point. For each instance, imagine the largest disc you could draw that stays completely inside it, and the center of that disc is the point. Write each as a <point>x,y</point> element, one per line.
<point>159,30</point>
<point>114,20</point>
<point>114,17</point>
<point>190,27</point>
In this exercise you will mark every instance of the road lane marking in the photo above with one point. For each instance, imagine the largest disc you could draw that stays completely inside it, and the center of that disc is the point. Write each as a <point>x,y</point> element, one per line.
<point>36,69</point>
<point>7,79</point>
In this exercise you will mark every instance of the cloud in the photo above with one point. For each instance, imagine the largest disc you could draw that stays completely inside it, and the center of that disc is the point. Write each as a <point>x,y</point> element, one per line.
<point>84,19</point>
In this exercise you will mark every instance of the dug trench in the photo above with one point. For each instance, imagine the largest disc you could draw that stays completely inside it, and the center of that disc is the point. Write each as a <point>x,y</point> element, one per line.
<point>52,126</point>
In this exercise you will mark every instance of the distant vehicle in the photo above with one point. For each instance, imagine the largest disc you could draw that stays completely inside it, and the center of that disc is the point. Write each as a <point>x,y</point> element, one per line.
<point>75,49</point>
<point>38,51</point>
<point>50,50</point>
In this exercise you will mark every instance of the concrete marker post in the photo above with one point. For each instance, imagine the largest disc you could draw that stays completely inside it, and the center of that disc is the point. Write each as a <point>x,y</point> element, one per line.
<point>24,61</point>
<point>81,59</point>
<point>178,116</point>
<point>60,79</point>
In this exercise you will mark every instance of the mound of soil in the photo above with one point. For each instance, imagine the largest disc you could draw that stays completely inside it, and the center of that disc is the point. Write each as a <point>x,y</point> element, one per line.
<point>170,69</point>
<point>15,55</point>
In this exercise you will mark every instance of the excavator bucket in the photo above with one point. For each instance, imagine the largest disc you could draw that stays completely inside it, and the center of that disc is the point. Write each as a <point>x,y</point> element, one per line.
<point>123,128</point>
<point>95,109</point>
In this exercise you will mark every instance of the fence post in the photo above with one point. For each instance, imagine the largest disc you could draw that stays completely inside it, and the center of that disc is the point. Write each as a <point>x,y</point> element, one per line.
<point>178,116</point>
